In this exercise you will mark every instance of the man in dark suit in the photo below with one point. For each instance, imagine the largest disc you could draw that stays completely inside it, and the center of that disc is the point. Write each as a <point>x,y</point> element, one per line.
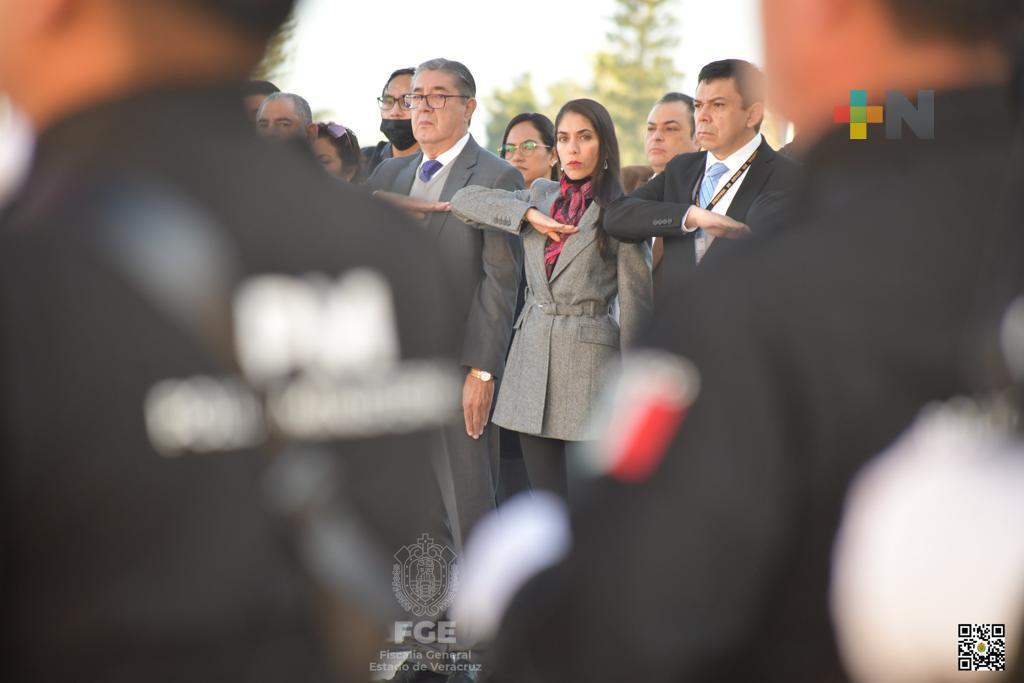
<point>486,266</point>
<point>177,296</point>
<point>707,558</point>
<point>738,169</point>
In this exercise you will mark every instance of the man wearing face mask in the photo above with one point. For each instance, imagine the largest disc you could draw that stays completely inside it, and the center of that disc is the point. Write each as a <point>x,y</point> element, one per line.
<point>395,123</point>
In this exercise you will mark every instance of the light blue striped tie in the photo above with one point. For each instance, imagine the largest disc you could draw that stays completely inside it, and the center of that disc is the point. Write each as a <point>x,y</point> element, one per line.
<point>707,189</point>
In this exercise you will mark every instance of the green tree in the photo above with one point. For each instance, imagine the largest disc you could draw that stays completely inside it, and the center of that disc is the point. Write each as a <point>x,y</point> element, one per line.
<point>275,63</point>
<point>503,104</point>
<point>629,76</point>
<point>562,91</point>
<point>637,69</point>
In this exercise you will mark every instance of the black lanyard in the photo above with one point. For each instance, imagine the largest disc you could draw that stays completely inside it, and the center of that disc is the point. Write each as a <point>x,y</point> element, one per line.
<point>721,193</point>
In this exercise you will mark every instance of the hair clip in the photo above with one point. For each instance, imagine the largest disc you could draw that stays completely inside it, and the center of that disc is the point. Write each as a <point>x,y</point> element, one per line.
<point>336,130</point>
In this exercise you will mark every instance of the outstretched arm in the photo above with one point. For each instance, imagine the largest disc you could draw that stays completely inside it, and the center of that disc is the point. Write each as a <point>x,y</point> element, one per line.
<point>484,207</point>
<point>418,209</point>
<point>488,207</point>
<point>643,215</point>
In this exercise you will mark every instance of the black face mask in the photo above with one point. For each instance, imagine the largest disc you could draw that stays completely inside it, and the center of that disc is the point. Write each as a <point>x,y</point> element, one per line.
<point>398,132</point>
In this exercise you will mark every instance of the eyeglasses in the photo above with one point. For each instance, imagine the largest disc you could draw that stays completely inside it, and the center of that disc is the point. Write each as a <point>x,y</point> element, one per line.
<point>434,101</point>
<point>387,102</point>
<point>527,147</point>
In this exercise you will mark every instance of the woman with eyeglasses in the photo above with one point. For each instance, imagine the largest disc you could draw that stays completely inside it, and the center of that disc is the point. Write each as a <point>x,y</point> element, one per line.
<point>529,145</point>
<point>566,339</point>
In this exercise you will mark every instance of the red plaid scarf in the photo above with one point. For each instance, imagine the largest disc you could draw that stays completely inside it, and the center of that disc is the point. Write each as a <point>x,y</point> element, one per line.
<point>572,202</point>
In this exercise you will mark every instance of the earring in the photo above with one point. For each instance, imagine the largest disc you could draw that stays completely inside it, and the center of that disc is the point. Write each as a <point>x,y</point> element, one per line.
<point>606,164</point>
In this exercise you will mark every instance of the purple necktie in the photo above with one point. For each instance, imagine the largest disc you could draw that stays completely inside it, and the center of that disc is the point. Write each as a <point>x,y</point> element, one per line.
<point>429,168</point>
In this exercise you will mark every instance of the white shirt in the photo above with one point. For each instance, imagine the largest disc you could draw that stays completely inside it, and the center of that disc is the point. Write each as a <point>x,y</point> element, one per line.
<point>431,190</point>
<point>733,163</point>
<point>449,155</point>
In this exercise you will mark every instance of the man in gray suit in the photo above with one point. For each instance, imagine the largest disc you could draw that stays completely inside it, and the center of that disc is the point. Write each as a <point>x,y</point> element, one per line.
<point>484,264</point>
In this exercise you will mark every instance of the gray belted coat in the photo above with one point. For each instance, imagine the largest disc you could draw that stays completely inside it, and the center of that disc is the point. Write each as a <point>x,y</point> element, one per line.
<point>566,340</point>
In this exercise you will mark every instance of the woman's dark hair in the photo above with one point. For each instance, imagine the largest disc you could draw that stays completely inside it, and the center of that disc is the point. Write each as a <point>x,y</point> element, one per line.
<point>544,127</point>
<point>347,144</point>
<point>607,183</point>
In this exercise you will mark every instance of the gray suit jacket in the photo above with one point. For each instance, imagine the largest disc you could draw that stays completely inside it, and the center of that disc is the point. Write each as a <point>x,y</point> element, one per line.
<point>566,339</point>
<point>485,266</point>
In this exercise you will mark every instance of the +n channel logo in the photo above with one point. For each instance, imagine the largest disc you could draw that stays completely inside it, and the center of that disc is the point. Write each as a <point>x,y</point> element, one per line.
<point>897,111</point>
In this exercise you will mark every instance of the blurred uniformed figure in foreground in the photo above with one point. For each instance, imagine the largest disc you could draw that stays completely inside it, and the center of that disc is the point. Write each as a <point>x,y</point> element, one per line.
<point>939,510</point>
<point>179,299</point>
<point>706,556</point>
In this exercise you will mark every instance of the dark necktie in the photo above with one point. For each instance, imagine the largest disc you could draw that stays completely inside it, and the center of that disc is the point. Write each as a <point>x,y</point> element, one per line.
<point>429,168</point>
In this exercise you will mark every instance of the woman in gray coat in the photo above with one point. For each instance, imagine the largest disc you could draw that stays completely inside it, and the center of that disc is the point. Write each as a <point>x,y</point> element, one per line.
<point>566,339</point>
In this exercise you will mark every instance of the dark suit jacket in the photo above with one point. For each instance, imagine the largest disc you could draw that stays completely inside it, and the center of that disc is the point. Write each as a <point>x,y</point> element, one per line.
<point>819,346</point>
<point>485,264</point>
<point>372,158</point>
<point>657,208</point>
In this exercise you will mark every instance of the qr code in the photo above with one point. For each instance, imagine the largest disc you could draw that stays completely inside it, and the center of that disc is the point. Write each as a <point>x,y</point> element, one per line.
<point>982,647</point>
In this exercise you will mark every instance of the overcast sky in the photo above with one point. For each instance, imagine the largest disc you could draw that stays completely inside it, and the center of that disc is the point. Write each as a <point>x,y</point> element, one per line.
<point>344,50</point>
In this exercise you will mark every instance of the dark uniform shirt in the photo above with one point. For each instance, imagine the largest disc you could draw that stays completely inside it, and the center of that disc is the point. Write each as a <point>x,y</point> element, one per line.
<point>161,264</point>
<point>816,345</point>
<point>372,158</point>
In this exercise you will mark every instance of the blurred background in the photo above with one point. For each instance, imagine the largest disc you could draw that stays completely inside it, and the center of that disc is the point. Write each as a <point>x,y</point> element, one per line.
<point>532,55</point>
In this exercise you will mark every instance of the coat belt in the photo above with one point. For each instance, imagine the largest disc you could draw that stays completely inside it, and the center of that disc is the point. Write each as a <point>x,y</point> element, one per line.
<point>587,308</point>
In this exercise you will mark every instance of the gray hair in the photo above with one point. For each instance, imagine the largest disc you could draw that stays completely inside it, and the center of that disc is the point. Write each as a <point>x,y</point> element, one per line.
<point>463,78</point>
<point>299,104</point>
